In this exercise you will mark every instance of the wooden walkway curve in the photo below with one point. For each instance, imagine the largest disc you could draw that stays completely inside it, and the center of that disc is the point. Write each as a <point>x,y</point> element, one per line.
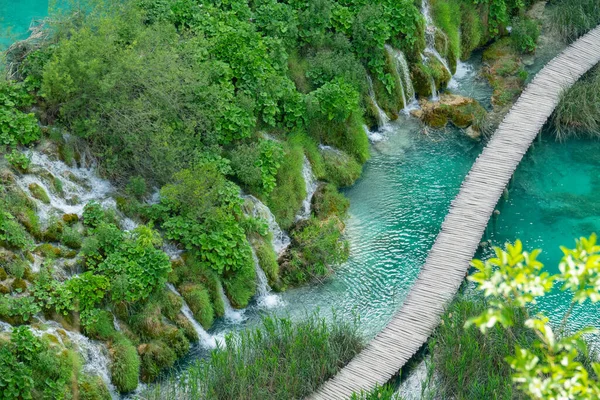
<point>448,261</point>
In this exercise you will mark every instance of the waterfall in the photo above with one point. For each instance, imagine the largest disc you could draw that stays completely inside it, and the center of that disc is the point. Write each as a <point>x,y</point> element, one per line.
<point>264,297</point>
<point>403,75</point>
<point>78,186</point>
<point>280,240</point>
<point>434,93</point>
<point>95,359</point>
<point>116,323</point>
<point>206,340</point>
<point>231,314</point>
<point>382,117</point>
<point>430,30</point>
<point>311,187</point>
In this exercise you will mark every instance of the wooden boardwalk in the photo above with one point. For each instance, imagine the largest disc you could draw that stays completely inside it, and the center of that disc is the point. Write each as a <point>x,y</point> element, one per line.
<point>448,261</point>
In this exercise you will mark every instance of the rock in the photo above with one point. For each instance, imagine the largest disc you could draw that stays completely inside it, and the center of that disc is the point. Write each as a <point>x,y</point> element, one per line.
<point>70,219</point>
<point>473,133</point>
<point>421,80</point>
<point>462,112</point>
<point>39,193</point>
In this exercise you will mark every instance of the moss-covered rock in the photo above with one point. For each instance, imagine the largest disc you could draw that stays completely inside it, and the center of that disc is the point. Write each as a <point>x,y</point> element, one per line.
<point>421,79</point>
<point>19,285</point>
<point>329,201</point>
<point>39,193</point>
<point>70,219</point>
<point>125,364</point>
<point>268,261</point>
<point>340,168</point>
<point>4,289</point>
<point>462,112</point>
<point>3,274</point>
<point>48,250</point>
<point>504,70</point>
<point>92,388</point>
<point>439,72</point>
<point>155,356</point>
<point>198,299</point>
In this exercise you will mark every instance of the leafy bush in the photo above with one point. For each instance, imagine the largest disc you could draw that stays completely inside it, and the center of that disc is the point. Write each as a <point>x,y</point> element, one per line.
<point>16,127</point>
<point>280,360</point>
<point>12,234</point>
<point>524,34</point>
<point>18,160</point>
<point>71,237</point>
<point>198,300</point>
<point>125,364</point>
<point>316,248</point>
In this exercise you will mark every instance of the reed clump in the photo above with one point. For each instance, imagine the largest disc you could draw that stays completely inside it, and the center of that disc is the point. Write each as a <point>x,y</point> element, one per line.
<point>280,360</point>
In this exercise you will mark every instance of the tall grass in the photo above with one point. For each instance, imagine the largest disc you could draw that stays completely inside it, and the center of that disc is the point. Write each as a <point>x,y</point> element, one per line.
<point>471,365</point>
<point>281,360</point>
<point>578,112</point>
<point>573,18</point>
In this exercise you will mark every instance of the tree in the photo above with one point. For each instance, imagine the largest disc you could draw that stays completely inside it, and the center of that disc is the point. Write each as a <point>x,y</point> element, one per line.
<point>551,369</point>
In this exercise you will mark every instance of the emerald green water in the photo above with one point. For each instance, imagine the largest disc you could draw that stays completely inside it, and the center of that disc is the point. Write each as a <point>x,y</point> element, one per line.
<point>552,201</point>
<point>399,203</point>
<point>16,16</point>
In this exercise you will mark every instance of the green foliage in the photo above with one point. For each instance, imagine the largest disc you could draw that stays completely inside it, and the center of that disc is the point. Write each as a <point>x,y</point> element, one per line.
<point>447,17</point>
<point>329,201</point>
<point>137,267</point>
<point>286,198</point>
<point>137,187</point>
<point>524,34</point>
<point>71,237</point>
<point>578,110</point>
<point>18,160</point>
<point>335,100</point>
<point>470,364</point>
<point>341,169</point>
<point>267,260</point>
<point>269,161</point>
<point>241,285</point>
<point>573,18</point>
<point>125,364</point>
<point>16,127</point>
<point>317,247</point>
<point>280,360</point>
<point>155,356</point>
<point>198,299</point>
<point>86,290</point>
<point>379,393</point>
<point>514,279</point>
<point>93,214</point>
<point>12,234</point>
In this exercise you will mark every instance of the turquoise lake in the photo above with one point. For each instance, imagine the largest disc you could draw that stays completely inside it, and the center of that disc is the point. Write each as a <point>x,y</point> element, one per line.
<point>398,205</point>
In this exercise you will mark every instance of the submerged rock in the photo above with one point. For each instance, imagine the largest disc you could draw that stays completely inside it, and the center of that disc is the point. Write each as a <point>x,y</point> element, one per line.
<point>462,112</point>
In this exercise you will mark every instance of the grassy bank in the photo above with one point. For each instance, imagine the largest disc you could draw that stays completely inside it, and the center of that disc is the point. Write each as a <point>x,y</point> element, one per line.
<point>280,360</point>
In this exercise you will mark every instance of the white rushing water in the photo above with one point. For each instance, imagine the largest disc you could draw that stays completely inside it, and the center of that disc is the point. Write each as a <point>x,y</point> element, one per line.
<point>403,75</point>
<point>69,188</point>
<point>311,184</point>
<point>265,298</point>
<point>231,314</point>
<point>280,240</point>
<point>94,354</point>
<point>382,117</point>
<point>206,340</point>
<point>430,31</point>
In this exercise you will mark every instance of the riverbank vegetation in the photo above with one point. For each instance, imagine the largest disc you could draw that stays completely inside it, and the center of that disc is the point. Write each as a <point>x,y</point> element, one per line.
<point>184,105</point>
<point>280,360</point>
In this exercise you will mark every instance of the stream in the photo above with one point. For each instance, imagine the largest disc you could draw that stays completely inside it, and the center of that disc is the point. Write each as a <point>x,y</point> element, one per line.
<point>399,203</point>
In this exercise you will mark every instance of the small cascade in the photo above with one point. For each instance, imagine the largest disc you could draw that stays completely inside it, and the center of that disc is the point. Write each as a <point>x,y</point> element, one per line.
<point>434,93</point>
<point>311,187</point>
<point>116,323</point>
<point>5,327</point>
<point>264,296</point>
<point>68,188</point>
<point>430,30</point>
<point>205,339</point>
<point>403,75</point>
<point>231,314</point>
<point>373,136</point>
<point>95,354</point>
<point>382,117</point>
<point>172,250</point>
<point>280,240</point>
